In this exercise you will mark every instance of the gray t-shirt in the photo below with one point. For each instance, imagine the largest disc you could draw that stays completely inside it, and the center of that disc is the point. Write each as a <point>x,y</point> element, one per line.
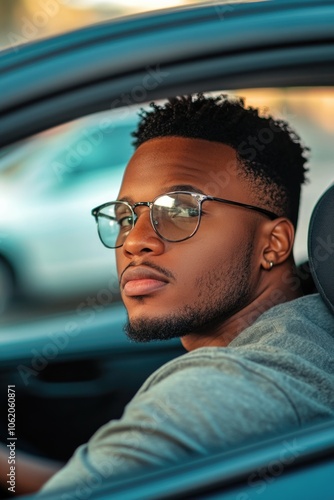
<point>277,374</point>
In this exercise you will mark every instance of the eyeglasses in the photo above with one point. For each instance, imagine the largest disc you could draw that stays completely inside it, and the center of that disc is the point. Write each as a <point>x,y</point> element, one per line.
<point>174,216</point>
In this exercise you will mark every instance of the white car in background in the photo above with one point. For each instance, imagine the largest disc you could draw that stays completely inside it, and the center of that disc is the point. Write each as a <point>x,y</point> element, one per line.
<point>49,248</point>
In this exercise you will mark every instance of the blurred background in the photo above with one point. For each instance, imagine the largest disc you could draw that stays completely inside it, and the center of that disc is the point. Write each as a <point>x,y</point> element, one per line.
<point>25,20</point>
<point>50,256</point>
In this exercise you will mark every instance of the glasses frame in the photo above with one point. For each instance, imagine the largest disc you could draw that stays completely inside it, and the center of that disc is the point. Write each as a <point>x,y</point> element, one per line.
<point>200,198</point>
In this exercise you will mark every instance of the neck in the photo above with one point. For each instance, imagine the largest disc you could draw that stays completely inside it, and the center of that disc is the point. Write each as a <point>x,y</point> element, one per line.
<point>284,285</point>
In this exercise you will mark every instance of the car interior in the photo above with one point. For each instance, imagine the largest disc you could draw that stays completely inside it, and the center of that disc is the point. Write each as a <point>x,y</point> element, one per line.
<point>227,472</point>
<point>320,247</point>
<point>87,370</point>
<point>72,366</point>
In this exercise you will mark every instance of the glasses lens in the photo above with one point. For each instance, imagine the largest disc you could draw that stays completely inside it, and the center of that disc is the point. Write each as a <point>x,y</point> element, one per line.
<point>115,221</point>
<point>175,216</point>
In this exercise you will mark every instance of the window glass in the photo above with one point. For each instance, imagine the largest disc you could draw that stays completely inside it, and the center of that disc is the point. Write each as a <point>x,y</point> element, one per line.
<point>50,252</point>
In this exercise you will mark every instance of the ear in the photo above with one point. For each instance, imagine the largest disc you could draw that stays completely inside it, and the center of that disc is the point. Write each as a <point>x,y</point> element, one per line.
<point>279,236</point>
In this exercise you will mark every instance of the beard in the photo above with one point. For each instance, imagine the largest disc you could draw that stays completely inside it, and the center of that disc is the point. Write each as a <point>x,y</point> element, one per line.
<point>220,296</point>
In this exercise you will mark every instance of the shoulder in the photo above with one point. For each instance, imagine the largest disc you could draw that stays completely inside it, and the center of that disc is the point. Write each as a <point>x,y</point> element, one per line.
<point>284,359</point>
<point>309,309</point>
<point>301,326</point>
<point>298,327</point>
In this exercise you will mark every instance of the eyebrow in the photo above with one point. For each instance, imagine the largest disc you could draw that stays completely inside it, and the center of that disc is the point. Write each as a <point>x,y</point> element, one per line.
<point>185,187</point>
<point>175,187</point>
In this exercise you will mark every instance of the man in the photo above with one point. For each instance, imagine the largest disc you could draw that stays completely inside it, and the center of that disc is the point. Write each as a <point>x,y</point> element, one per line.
<point>203,229</point>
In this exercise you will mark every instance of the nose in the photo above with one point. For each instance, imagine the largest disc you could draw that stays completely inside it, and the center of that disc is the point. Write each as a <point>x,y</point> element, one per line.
<point>142,239</point>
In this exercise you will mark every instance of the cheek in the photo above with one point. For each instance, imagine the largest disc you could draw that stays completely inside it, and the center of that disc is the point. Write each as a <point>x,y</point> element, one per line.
<point>196,263</point>
<point>214,257</point>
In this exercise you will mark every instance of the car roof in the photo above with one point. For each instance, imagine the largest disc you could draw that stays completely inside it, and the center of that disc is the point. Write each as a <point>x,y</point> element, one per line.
<point>140,58</point>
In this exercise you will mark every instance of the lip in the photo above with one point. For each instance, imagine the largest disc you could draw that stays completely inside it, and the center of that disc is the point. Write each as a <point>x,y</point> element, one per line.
<point>142,281</point>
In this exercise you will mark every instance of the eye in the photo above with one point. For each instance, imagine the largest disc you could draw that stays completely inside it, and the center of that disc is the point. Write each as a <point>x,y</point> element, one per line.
<point>192,212</point>
<point>125,222</point>
<point>184,211</point>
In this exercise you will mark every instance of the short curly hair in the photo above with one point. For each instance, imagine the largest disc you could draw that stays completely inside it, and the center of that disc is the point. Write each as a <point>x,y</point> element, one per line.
<point>271,155</point>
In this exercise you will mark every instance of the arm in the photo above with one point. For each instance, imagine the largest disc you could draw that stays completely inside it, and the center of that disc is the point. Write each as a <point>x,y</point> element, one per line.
<point>186,409</point>
<point>32,471</point>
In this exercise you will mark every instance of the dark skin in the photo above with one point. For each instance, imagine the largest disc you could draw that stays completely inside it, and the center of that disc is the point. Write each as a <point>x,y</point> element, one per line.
<point>209,263</point>
<point>231,245</point>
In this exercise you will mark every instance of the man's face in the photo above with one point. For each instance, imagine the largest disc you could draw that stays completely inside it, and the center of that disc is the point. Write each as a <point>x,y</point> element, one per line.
<point>196,285</point>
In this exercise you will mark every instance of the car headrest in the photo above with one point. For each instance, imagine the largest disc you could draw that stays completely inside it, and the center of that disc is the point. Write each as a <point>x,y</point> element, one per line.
<point>321,246</point>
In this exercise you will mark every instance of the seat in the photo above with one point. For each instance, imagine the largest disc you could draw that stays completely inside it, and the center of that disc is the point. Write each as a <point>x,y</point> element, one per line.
<point>321,247</point>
